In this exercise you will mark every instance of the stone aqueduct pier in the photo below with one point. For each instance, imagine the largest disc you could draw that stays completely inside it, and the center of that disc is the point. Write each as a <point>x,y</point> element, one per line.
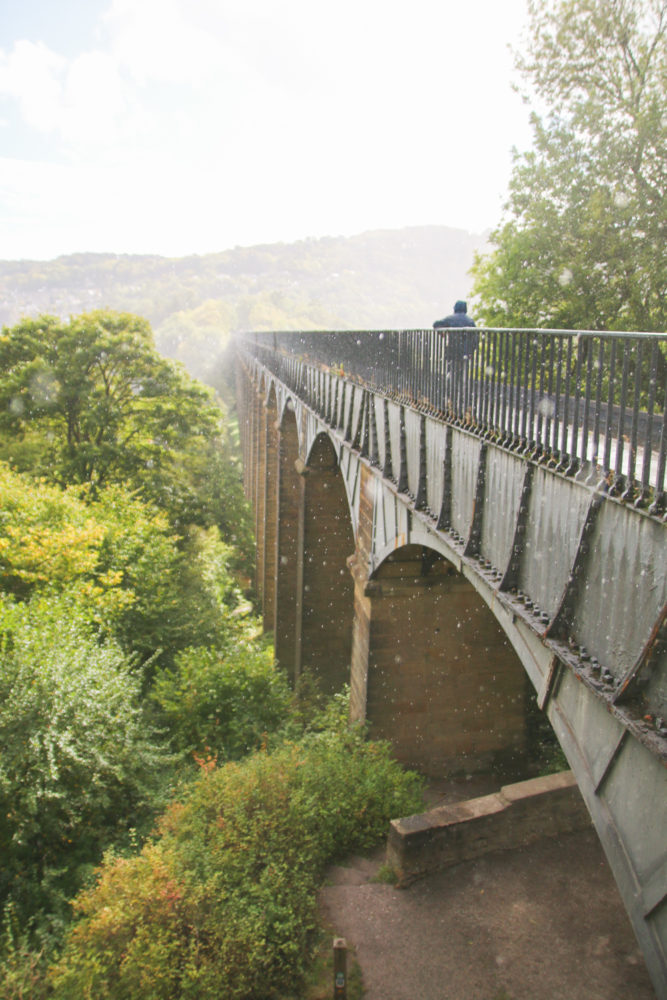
<point>442,532</point>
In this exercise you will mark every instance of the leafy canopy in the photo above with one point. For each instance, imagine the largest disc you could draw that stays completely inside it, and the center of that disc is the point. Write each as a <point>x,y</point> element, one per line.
<point>91,401</point>
<point>153,590</point>
<point>48,536</point>
<point>79,763</point>
<point>222,702</point>
<point>584,243</point>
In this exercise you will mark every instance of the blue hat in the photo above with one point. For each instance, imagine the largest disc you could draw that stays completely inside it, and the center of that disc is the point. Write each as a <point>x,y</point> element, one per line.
<point>460,307</point>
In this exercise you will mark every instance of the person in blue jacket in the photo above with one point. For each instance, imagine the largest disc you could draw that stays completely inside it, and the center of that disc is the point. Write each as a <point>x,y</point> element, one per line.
<point>458,318</point>
<point>461,345</point>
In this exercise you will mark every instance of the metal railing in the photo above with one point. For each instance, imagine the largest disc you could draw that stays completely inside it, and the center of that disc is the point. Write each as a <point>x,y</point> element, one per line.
<point>586,403</point>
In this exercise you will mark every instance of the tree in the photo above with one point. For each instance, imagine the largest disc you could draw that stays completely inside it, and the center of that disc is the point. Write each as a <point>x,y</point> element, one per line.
<point>222,702</point>
<point>48,536</point>
<point>153,591</point>
<point>80,764</point>
<point>584,245</point>
<point>91,401</point>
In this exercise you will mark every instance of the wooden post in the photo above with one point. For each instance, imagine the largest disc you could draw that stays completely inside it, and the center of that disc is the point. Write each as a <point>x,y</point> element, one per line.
<point>340,968</point>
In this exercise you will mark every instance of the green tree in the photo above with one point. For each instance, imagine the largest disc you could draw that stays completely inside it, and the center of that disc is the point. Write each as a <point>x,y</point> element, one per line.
<point>584,241</point>
<point>154,591</point>
<point>48,536</point>
<point>91,401</point>
<point>181,595</point>
<point>79,764</point>
<point>222,702</point>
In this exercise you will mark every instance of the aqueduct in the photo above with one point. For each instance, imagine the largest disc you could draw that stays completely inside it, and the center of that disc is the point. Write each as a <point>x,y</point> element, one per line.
<point>434,535</point>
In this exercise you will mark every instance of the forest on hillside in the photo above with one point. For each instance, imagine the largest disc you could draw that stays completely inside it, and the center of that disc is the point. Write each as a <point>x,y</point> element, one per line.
<point>384,279</point>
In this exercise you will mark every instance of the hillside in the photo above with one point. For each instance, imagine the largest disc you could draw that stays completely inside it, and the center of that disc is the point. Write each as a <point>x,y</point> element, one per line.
<point>385,278</point>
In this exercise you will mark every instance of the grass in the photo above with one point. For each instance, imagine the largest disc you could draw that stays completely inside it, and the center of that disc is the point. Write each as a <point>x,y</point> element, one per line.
<point>319,981</point>
<point>385,875</point>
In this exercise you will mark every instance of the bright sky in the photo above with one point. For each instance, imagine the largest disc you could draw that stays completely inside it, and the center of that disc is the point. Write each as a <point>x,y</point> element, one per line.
<point>191,126</point>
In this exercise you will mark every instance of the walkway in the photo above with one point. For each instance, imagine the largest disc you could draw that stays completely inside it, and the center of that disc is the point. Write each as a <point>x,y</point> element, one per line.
<point>542,923</point>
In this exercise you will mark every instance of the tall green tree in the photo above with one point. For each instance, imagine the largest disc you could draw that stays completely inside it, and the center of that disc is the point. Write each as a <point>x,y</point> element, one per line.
<point>92,401</point>
<point>79,762</point>
<point>584,240</point>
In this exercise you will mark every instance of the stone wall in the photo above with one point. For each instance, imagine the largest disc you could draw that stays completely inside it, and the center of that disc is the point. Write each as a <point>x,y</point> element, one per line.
<point>516,815</point>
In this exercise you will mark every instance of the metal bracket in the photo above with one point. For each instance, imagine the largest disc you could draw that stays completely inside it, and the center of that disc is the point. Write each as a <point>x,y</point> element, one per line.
<point>511,575</point>
<point>475,534</point>
<point>562,621</point>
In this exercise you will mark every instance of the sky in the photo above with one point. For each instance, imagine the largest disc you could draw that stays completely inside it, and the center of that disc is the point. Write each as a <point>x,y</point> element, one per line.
<point>183,127</point>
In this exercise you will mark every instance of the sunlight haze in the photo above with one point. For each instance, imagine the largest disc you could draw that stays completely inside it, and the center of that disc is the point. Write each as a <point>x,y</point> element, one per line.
<point>173,127</point>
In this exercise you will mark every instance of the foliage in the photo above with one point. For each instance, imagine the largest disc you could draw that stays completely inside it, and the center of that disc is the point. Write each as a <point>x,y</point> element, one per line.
<point>223,903</point>
<point>47,535</point>
<point>134,592</point>
<point>182,592</point>
<point>583,246</point>
<point>222,702</point>
<point>23,972</point>
<point>79,764</point>
<point>156,592</point>
<point>91,401</point>
<point>314,712</point>
<point>111,562</point>
<point>386,875</point>
<point>214,497</point>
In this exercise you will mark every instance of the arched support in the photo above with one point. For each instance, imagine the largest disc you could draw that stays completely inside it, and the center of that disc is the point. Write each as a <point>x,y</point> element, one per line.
<point>326,599</point>
<point>442,683</point>
<point>289,490</point>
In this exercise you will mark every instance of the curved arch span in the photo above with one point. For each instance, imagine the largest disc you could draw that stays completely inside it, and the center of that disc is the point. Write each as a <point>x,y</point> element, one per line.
<point>444,684</point>
<point>327,589</point>
<point>313,458</point>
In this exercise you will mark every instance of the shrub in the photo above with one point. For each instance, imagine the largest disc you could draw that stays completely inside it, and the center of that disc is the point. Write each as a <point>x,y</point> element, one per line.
<point>222,702</point>
<point>158,592</point>
<point>223,904</point>
<point>24,965</point>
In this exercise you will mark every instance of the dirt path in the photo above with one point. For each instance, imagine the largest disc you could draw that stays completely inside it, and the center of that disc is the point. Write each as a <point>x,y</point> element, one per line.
<point>542,923</point>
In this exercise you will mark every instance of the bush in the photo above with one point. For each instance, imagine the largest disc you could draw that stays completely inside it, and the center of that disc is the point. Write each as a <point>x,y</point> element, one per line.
<point>222,703</point>
<point>158,592</point>
<point>79,764</point>
<point>23,971</point>
<point>223,904</point>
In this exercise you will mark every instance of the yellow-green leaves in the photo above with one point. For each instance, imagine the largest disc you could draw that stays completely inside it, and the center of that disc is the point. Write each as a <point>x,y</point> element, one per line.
<point>47,535</point>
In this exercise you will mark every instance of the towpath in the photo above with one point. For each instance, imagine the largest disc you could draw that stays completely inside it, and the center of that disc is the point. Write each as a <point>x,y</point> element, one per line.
<point>542,923</point>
